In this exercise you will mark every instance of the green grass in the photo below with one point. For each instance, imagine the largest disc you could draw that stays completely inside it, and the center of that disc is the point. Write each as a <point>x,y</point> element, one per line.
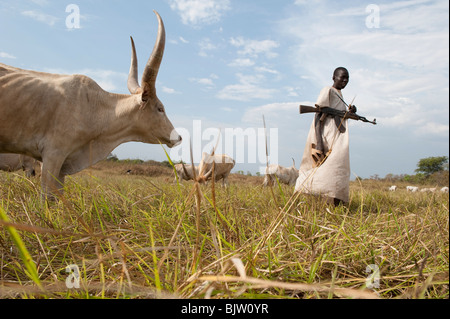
<point>137,236</point>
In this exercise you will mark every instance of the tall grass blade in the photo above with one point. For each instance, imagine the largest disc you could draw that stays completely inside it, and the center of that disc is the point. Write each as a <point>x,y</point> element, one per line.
<point>31,269</point>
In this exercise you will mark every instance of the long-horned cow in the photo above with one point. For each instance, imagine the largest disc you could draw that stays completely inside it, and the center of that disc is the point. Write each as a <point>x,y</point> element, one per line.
<point>223,164</point>
<point>15,162</point>
<point>69,122</point>
<point>285,175</point>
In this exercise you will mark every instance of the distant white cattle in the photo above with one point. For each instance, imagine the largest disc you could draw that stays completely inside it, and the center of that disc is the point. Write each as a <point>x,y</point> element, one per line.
<point>412,189</point>
<point>15,162</point>
<point>444,189</point>
<point>393,188</point>
<point>184,172</point>
<point>428,190</point>
<point>223,164</point>
<point>285,175</point>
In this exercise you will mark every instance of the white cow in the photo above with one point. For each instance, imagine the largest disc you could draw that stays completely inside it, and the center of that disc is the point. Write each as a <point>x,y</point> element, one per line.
<point>412,189</point>
<point>428,190</point>
<point>393,188</point>
<point>69,122</point>
<point>223,164</point>
<point>286,175</point>
<point>184,172</point>
<point>444,189</point>
<point>15,162</point>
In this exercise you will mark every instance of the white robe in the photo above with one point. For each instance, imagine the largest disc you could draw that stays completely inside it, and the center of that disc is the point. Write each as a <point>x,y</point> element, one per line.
<point>332,178</point>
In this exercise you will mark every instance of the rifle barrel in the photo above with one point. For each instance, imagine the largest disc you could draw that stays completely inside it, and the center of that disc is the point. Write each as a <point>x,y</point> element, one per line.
<point>328,110</point>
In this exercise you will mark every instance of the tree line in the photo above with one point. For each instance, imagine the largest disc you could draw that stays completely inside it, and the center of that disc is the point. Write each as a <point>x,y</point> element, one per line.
<point>430,170</point>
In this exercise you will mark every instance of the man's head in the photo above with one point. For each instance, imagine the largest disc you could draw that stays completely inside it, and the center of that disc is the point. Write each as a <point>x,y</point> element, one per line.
<point>340,78</point>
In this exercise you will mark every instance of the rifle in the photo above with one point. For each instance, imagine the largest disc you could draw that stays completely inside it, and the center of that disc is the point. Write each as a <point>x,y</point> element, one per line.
<point>334,112</point>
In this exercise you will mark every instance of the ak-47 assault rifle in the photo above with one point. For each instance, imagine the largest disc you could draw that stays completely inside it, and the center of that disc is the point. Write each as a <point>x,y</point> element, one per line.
<point>318,150</point>
<point>334,112</point>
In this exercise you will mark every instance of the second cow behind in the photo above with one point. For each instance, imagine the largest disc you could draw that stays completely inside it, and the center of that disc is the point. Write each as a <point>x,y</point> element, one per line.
<point>285,175</point>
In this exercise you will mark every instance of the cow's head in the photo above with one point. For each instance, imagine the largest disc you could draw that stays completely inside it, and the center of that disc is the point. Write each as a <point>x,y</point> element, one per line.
<point>153,121</point>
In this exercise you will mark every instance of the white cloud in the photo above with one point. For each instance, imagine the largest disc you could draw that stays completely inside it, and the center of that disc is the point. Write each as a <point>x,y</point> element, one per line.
<point>41,17</point>
<point>183,40</point>
<point>169,90</point>
<point>248,88</point>
<point>41,3</point>
<point>208,82</point>
<point>276,112</point>
<point>241,63</point>
<point>5,55</point>
<point>196,12</point>
<point>254,48</point>
<point>263,69</point>
<point>205,47</point>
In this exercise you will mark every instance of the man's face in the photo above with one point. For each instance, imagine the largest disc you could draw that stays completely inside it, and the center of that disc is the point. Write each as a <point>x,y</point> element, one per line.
<point>341,79</point>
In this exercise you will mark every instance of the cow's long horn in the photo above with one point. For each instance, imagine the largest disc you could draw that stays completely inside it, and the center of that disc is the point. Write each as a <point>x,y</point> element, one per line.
<point>133,84</point>
<point>208,175</point>
<point>154,62</point>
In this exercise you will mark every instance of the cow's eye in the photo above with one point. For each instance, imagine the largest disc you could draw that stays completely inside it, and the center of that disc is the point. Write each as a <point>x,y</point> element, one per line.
<point>161,109</point>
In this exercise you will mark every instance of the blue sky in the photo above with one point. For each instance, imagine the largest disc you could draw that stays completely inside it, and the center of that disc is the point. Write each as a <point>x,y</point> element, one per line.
<point>228,62</point>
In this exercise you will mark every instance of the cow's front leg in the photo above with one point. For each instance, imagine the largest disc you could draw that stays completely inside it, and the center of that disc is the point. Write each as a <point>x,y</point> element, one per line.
<point>52,180</point>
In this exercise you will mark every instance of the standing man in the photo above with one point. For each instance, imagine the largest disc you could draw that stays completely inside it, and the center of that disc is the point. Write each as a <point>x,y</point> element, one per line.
<point>325,167</point>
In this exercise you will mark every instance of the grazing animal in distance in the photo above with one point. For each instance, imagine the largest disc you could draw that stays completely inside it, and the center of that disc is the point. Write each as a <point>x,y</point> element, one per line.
<point>184,172</point>
<point>412,189</point>
<point>223,164</point>
<point>73,123</point>
<point>444,189</point>
<point>286,175</point>
<point>15,162</point>
<point>393,188</point>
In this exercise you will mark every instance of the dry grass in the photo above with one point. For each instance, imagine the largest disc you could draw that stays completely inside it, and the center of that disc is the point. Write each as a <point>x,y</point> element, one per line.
<point>143,236</point>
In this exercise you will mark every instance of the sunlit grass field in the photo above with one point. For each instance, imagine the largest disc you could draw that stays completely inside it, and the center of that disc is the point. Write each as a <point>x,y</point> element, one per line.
<point>142,235</point>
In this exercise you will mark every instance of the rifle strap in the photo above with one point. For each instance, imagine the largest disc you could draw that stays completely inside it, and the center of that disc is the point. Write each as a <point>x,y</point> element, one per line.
<point>318,150</point>
<point>339,124</point>
<point>318,126</point>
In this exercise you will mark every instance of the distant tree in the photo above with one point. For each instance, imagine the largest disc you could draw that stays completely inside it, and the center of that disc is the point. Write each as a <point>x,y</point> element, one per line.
<point>166,164</point>
<point>431,165</point>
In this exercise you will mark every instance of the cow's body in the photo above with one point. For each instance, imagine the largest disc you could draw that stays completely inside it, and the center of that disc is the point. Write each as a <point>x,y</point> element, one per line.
<point>223,164</point>
<point>15,162</point>
<point>69,123</point>
<point>412,189</point>
<point>185,173</point>
<point>285,175</point>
